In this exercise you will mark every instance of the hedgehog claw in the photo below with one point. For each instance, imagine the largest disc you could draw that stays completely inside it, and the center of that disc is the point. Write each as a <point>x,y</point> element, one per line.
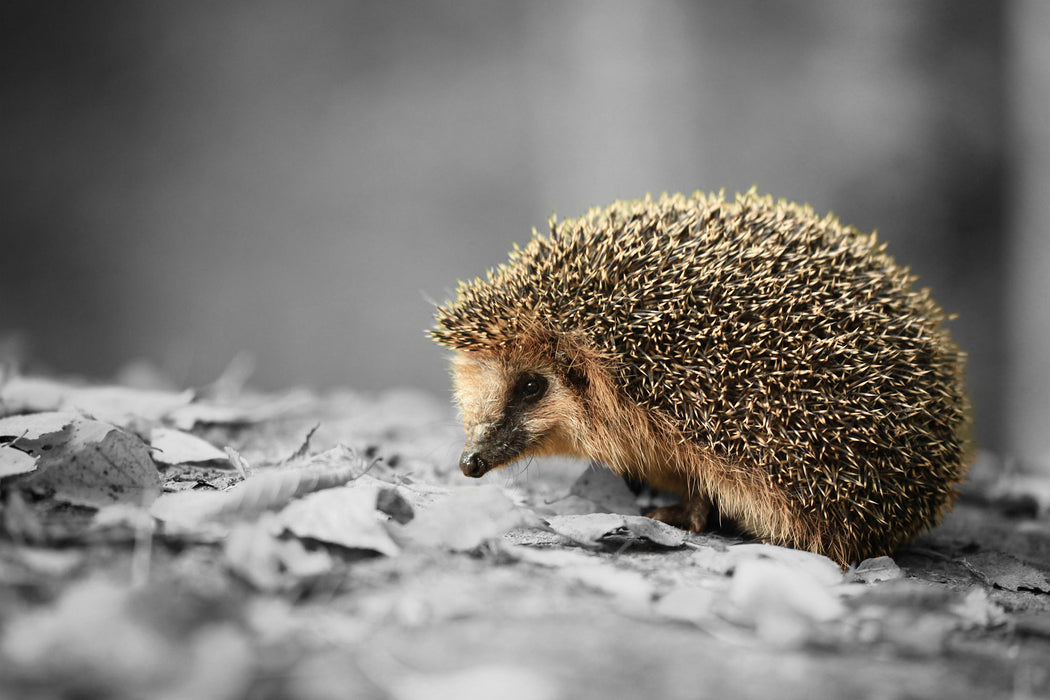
<point>690,514</point>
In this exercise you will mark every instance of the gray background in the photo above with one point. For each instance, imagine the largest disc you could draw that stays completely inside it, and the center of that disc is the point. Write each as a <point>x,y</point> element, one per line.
<point>185,181</point>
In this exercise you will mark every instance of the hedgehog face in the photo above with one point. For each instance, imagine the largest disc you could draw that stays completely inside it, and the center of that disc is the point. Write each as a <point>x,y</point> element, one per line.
<point>512,410</point>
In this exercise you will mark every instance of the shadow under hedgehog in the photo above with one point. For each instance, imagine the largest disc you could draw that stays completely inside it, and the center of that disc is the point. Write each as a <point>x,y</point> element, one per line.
<point>750,356</point>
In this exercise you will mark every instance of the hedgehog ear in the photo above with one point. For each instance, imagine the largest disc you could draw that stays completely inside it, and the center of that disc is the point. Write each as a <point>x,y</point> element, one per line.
<point>574,374</point>
<point>578,379</point>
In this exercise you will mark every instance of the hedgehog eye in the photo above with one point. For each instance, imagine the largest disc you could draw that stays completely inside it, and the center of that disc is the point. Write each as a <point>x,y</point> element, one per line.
<point>531,387</point>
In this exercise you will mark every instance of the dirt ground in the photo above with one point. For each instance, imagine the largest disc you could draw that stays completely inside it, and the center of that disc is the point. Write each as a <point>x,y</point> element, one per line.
<point>225,544</point>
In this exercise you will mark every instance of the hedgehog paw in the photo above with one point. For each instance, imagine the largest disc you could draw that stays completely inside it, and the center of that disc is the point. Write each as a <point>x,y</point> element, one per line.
<point>691,514</point>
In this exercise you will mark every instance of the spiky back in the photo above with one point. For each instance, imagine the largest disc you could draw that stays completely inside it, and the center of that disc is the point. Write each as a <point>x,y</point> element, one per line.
<point>771,336</point>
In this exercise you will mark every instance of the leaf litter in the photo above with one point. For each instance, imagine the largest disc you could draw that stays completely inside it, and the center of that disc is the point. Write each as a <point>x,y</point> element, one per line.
<point>295,527</point>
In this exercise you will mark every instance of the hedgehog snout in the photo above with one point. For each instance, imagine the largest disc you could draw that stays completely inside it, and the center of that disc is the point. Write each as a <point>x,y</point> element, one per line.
<point>490,446</point>
<point>475,462</point>
<point>472,464</point>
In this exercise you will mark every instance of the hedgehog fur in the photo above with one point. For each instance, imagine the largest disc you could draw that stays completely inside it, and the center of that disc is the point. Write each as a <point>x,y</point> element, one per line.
<point>773,367</point>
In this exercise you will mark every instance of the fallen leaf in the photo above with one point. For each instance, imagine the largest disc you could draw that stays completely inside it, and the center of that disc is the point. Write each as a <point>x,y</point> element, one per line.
<point>569,505</point>
<point>13,461</point>
<point>265,490</point>
<point>629,588</point>
<point>464,519</point>
<point>552,558</point>
<point>118,405</point>
<point>239,462</point>
<point>271,563</point>
<point>816,566</point>
<point>24,395</point>
<point>172,446</point>
<point>36,433</point>
<point>875,570</point>
<point>782,601</point>
<point>606,490</point>
<point>393,503</point>
<point>85,462</point>
<point>25,438</point>
<point>304,448</point>
<point>244,412</point>
<point>1007,572</point>
<point>422,495</point>
<point>345,516</point>
<point>594,529</point>
<point>716,560</point>
<point>124,406</point>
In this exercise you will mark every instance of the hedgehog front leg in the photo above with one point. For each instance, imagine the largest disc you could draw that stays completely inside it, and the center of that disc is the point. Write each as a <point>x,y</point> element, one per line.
<point>691,514</point>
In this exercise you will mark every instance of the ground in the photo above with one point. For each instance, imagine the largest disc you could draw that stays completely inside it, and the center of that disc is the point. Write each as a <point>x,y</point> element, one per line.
<point>225,544</point>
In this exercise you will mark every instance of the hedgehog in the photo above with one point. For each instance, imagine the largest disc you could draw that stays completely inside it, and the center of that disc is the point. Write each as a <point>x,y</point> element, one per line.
<point>772,367</point>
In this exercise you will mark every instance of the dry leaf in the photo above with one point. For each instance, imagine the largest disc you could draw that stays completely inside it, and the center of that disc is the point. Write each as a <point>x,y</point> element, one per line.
<point>393,503</point>
<point>269,490</point>
<point>239,462</point>
<point>172,446</point>
<point>591,530</point>
<point>304,448</point>
<point>344,516</point>
<point>117,405</point>
<point>876,569</point>
<point>13,461</point>
<point>569,505</point>
<point>782,601</point>
<point>23,395</point>
<point>86,462</point>
<point>606,490</point>
<point>245,412</point>
<point>1010,573</point>
<point>630,589</point>
<point>817,566</point>
<point>25,438</point>
<point>271,563</point>
<point>124,406</point>
<point>465,519</point>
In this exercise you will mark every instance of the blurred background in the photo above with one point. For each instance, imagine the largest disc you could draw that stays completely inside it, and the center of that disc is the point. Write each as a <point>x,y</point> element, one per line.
<point>181,182</point>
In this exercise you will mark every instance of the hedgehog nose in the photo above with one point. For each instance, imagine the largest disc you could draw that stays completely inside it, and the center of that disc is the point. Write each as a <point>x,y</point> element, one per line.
<point>473,464</point>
